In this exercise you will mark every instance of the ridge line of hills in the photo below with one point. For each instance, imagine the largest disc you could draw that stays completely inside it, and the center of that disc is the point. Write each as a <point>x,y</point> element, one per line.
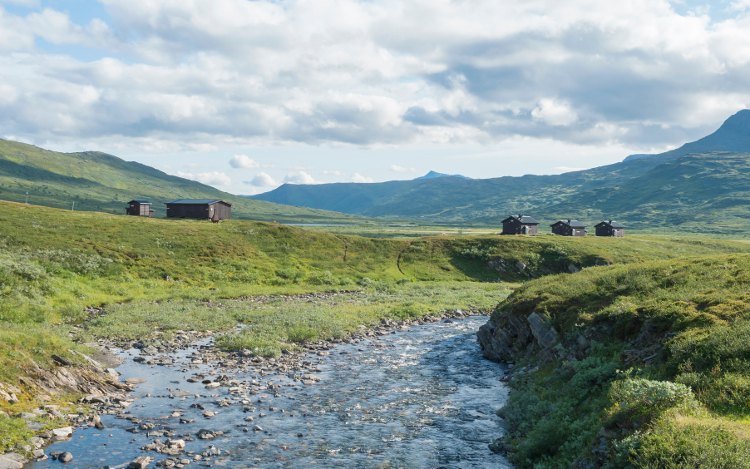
<point>97,181</point>
<point>683,189</point>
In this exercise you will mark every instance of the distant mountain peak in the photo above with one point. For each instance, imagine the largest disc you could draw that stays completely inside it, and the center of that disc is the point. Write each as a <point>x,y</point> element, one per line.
<point>739,122</point>
<point>732,136</point>
<point>434,175</point>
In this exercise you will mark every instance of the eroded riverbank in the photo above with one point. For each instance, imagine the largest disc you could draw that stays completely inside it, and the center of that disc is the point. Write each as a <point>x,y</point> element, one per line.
<point>418,397</point>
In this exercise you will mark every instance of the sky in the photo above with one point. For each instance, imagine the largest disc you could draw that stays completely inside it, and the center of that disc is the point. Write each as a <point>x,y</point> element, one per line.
<point>247,95</point>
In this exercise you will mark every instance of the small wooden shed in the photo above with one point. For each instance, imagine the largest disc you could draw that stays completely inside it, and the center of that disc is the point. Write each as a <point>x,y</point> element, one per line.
<point>569,228</point>
<point>139,208</point>
<point>610,228</point>
<point>520,224</point>
<point>199,209</point>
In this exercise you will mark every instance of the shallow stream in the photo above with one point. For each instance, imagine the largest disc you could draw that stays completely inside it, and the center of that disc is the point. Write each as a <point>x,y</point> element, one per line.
<point>419,397</point>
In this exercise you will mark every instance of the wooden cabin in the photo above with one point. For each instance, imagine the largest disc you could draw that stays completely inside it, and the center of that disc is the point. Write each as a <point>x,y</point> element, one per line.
<point>569,228</point>
<point>139,208</point>
<point>520,225</point>
<point>199,209</point>
<point>610,228</point>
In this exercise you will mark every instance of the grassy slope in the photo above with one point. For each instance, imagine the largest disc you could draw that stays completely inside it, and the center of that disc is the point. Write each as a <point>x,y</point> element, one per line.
<point>653,370</point>
<point>101,182</point>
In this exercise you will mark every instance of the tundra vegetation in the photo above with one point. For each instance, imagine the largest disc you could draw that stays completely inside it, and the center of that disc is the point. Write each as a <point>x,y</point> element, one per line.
<point>148,278</point>
<point>652,367</point>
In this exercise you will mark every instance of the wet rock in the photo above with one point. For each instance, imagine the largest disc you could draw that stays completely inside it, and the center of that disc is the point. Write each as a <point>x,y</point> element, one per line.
<point>205,434</point>
<point>65,457</point>
<point>39,455</point>
<point>178,444</point>
<point>141,462</point>
<point>61,434</point>
<point>211,451</point>
<point>11,461</point>
<point>209,414</point>
<point>97,421</point>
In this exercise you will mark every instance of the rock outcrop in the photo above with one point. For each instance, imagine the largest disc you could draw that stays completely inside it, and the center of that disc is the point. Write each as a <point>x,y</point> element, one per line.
<point>508,336</point>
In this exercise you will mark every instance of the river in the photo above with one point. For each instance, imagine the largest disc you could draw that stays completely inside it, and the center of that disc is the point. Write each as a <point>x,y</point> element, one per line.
<point>419,397</point>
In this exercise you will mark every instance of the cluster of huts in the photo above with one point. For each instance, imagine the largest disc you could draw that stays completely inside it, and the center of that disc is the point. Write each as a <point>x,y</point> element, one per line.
<point>524,224</point>
<point>199,209</point>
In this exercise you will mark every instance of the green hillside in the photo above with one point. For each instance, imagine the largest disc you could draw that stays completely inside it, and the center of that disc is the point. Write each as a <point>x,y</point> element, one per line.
<point>649,366</point>
<point>101,182</point>
<point>688,189</point>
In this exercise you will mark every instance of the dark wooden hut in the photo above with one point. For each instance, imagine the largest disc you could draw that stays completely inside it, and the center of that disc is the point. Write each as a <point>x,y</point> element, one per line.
<point>610,228</point>
<point>199,209</point>
<point>569,228</point>
<point>520,224</point>
<point>139,208</point>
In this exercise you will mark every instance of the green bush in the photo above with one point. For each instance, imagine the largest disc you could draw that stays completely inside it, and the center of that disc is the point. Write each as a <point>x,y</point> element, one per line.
<point>674,445</point>
<point>638,401</point>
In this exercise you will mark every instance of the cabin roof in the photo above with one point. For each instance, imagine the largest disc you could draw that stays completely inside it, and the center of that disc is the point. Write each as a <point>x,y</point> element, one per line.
<point>524,219</point>
<point>570,223</point>
<point>612,223</point>
<point>197,202</point>
<point>139,201</point>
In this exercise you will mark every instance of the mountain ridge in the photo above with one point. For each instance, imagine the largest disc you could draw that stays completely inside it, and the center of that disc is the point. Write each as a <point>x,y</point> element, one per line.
<point>682,185</point>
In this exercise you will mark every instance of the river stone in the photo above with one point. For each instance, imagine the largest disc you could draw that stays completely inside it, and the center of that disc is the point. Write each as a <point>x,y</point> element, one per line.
<point>11,461</point>
<point>141,462</point>
<point>60,434</point>
<point>65,457</point>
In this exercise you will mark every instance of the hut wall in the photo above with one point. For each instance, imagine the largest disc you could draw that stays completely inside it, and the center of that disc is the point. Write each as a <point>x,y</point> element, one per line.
<point>199,212</point>
<point>221,211</point>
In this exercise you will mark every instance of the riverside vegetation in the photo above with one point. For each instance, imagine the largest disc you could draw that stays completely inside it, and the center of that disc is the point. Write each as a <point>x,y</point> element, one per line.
<point>69,278</point>
<point>649,366</point>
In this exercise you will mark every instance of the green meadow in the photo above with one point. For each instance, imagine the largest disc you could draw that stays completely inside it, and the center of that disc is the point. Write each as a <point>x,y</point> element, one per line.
<point>152,277</point>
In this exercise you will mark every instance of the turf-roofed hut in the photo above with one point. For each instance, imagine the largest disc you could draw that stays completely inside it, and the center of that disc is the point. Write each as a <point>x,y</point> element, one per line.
<point>610,228</point>
<point>520,224</point>
<point>199,209</point>
<point>139,208</point>
<point>569,228</point>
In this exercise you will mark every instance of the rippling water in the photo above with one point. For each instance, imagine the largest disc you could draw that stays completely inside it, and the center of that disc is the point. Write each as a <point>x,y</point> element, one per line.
<point>421,397</point>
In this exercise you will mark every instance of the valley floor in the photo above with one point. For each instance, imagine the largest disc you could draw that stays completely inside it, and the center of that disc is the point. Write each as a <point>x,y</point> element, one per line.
<point>71,280</point>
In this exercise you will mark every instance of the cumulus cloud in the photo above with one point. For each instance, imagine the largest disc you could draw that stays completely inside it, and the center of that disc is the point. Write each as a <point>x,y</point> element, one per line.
<point>554,112</point>
<point>299,177</point>
<point>360,72</point>
<point>356,177</point>
<point>242,162</point>
<point>212,178</point>
<point>401,169</point>
<point>261,179</point>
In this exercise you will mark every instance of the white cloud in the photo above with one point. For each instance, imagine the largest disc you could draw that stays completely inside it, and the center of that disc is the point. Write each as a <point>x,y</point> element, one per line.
<point>299,177</point>
<point>261,179</point>
<point>212,178</point>
<point>553,112</point>
<point>354,72</point>
<point>401,169</point>
<point>242,162</point>
<point>356,177</point>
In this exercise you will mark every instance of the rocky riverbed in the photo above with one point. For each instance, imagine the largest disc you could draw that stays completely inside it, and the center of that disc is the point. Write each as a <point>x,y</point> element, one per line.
<point>402,395</point>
